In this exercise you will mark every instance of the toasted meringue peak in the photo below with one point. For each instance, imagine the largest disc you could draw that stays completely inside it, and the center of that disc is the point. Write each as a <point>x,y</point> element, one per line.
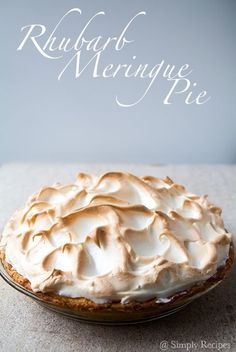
<point>116,237</point>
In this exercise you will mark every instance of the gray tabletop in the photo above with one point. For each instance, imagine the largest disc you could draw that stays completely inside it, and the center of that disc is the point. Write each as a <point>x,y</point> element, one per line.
<point>208,323</point>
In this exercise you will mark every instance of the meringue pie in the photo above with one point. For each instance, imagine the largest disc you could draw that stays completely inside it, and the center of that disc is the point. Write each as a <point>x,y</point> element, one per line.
<point>116,243</point>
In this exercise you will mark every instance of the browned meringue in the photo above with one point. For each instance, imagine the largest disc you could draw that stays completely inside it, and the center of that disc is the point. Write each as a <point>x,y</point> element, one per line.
<point>116,237</point>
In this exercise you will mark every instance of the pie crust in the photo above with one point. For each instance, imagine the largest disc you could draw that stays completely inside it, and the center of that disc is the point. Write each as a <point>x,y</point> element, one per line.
<point>117,310</point>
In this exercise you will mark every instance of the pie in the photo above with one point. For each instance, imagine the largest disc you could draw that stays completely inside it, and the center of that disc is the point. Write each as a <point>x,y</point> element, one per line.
<point>117,245</point>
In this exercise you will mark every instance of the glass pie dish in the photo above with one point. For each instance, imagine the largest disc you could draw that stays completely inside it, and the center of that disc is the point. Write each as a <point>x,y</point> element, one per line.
<point>115,315</point>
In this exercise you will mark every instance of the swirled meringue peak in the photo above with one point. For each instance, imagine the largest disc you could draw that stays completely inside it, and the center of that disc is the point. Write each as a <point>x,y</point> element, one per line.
<point>116,237</point>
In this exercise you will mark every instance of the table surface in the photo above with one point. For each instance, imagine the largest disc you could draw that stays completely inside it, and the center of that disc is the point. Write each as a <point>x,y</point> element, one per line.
<point>207,323</point>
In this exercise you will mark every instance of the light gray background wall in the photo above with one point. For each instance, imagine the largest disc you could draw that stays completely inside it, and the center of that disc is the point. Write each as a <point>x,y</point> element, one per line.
<point>42,119</point>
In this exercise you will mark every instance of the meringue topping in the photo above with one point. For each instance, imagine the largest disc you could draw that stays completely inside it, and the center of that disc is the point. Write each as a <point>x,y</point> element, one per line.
<point>116,237</point>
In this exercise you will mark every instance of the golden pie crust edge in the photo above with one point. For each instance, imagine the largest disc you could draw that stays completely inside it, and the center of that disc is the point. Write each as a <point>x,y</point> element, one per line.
<point>134,309</point>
